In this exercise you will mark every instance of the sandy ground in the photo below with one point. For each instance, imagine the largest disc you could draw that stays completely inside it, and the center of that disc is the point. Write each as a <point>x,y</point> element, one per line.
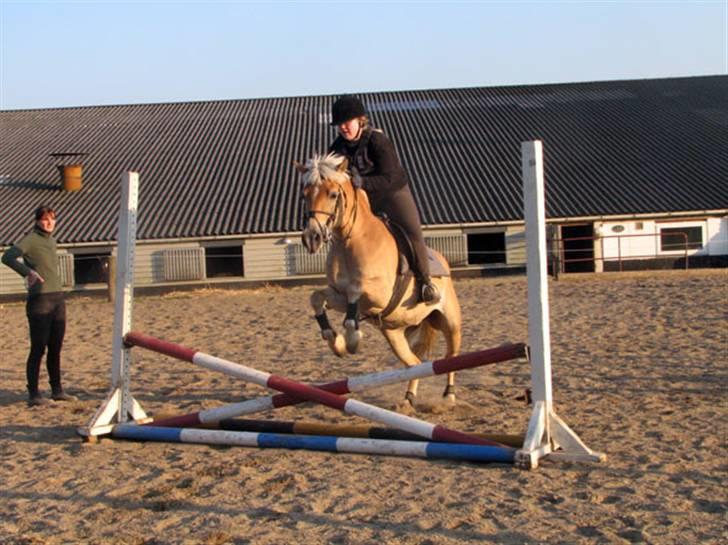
<point>639,363</point>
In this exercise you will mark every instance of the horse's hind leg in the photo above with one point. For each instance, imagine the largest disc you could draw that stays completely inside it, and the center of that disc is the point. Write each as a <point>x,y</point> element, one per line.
<point>401,348</point>
<point>319,298</point>
<point>449,323</point>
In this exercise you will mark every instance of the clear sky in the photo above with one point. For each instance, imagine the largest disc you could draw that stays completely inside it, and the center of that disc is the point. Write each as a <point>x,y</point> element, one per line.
<point>60,53</point>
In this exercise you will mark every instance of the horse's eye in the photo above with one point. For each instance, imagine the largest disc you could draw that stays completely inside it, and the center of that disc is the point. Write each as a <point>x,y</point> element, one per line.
<point>333,195</point>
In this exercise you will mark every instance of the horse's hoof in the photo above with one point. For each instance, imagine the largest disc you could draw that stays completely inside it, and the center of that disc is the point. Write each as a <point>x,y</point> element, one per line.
<point>338,346</point>
<point>352,341</point>
<point>405,408</point>
<point>449,400</point>
<point>526,397</point>
<point>336,342</point>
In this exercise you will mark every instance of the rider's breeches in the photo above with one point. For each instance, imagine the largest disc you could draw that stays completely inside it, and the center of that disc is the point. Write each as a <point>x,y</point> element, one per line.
<point>400,208</point>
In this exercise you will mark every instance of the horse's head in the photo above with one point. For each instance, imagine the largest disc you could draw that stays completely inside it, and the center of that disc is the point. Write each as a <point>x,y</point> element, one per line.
<point>324,197</point>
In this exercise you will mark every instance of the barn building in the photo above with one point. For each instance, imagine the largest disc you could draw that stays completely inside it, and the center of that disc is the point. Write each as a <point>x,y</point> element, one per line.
<point>636,174</point>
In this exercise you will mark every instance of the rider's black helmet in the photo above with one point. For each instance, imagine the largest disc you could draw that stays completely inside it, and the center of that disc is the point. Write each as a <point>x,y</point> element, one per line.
<point>345,108</point>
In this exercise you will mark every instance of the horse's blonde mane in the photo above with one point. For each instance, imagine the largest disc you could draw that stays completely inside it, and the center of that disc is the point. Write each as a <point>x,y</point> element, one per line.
<point>325,167</point>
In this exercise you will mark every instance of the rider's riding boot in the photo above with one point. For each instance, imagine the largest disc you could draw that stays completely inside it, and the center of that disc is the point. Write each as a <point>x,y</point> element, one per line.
<point>429,292</point>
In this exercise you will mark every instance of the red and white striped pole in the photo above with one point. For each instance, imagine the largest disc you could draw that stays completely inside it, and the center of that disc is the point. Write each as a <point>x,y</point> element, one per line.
<point>344,386</point>
<point>302,391</point>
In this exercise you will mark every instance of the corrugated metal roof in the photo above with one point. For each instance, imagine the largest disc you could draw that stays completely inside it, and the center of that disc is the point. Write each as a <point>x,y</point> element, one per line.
<point>223,168</point>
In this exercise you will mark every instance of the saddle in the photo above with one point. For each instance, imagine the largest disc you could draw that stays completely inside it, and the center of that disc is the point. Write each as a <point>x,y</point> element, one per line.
<point>406,265</point>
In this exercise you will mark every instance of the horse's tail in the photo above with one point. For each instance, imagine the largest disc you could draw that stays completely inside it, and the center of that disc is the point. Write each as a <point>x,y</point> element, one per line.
<point>422,340</point>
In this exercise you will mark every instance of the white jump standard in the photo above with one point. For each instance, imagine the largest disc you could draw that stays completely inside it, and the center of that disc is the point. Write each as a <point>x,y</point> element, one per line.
<point>119,405</point>
<point>546,431</point>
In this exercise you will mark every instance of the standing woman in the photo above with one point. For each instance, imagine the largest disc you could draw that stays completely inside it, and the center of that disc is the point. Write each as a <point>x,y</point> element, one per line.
<point>45,306</point>
<point>376,168</point>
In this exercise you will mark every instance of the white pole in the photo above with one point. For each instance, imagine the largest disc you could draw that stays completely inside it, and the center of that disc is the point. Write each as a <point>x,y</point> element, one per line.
<point>124,291</point>
<point>539,338</point>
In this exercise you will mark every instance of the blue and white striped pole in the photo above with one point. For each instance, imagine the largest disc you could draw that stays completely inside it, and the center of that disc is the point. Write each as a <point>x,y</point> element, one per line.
<point>419,449</point>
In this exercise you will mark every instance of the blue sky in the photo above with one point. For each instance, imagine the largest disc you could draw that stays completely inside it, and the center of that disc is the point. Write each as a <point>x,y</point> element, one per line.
<point>55,54</point>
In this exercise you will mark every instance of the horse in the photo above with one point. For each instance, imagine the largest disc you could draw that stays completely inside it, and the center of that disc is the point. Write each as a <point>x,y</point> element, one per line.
<point>362,275</point>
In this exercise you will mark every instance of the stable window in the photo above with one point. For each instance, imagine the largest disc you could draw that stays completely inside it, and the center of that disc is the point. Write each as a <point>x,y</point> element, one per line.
<point>486,248</point>
<point>303,262</point>
<point>452,247</point>
<point>91,268</point>
<point>222,261</point>
<point>678,239</point>
<point>183,264</point>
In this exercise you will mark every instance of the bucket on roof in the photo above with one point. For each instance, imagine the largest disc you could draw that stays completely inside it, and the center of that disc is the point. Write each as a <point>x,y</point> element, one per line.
<point>71,169</point>
<point>71,177</point>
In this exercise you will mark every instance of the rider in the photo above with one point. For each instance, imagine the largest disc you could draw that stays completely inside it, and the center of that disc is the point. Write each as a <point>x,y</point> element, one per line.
<point>376,168</point>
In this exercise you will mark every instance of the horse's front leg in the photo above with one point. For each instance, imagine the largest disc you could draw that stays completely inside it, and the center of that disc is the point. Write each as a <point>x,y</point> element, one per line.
<point>351,323</point>
<point>319,300</point>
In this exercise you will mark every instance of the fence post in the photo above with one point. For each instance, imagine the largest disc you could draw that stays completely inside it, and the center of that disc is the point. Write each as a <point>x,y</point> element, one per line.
<point>554,243</point>
<point>111,278</point>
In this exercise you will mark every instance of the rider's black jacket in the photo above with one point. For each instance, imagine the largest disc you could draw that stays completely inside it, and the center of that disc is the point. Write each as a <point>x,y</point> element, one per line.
<point>386,183</point>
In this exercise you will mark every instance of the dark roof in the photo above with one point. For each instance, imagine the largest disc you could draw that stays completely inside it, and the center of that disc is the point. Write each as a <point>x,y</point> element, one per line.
<point>224,167</point>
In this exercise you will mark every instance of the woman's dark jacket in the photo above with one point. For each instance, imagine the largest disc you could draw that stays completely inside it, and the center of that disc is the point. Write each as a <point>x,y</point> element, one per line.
<point>374,159</point>
<point>386,183</point>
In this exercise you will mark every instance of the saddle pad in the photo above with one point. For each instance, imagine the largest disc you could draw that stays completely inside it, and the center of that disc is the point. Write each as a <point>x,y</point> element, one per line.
<point>436,267</point>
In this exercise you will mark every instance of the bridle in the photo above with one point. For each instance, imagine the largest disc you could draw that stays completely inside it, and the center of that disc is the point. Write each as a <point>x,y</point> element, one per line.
<point>333,217</point>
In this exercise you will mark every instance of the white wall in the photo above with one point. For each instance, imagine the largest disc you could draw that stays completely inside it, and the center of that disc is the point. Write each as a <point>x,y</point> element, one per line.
<point>641,239</point>
<point>717,236</point>
<point>267,258</point>
<point>148,261</point>
<point>516,245</point>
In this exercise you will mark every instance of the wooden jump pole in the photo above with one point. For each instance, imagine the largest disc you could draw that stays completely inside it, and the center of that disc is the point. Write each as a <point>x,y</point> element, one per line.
<point>306,392</point>
<point>422,449</point>
<point>342,386</point>
<point>303,427</point>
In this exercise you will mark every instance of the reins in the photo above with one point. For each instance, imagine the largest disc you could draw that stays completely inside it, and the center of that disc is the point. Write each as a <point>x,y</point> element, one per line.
<point>353,215</point>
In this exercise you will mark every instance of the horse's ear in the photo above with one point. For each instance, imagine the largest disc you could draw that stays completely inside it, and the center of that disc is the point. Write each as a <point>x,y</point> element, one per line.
<point>344,165</point>
<point>299,167</point>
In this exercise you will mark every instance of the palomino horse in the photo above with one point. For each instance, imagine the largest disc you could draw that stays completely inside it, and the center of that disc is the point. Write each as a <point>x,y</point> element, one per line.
<point>362,272</point>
